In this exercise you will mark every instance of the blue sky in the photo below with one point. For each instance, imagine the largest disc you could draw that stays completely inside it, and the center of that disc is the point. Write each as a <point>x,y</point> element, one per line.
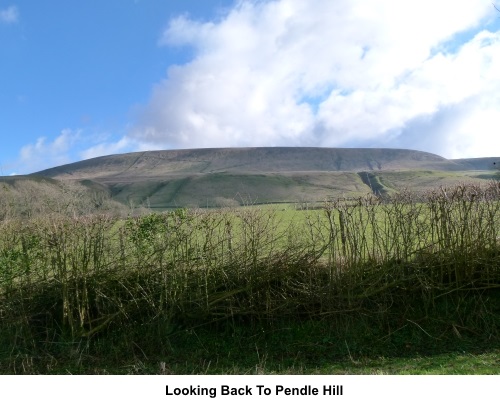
<point>90,78</point>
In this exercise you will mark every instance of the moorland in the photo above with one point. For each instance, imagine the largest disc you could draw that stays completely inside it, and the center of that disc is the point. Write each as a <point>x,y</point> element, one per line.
<point>237,176</point>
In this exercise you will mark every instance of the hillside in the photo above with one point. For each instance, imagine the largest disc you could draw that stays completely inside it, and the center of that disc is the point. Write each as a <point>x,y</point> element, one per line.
<point>478,163</point>
<point>33,196</point>
<point>251,160</point>
<point>233,176</point>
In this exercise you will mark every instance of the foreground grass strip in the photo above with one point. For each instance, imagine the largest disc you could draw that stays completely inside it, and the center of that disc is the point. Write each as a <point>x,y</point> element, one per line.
<point>447,364</point>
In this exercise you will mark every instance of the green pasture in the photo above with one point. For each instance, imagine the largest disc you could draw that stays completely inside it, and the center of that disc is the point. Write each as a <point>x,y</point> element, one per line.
<point>233,189</point>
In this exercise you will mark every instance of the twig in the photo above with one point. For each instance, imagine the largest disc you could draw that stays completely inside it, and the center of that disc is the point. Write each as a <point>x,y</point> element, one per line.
<point>349,352</point>
<point>422,329</point>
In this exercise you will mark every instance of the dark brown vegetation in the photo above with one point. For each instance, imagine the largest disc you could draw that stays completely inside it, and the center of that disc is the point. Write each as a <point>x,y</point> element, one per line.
<point>29,197</point>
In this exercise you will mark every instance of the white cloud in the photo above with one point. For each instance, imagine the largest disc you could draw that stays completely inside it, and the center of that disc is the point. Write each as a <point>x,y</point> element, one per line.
<point>44,154</point>
<point>9,15</point>
<point>69,146</point>
<point>106,148</point>
<point>331,73</point>
<point>464,85</point>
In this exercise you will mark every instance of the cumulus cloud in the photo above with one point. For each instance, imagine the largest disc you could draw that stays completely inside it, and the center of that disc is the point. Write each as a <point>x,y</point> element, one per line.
<point>69,146</point>
<point>108,148</point>
<point>44,153</point>
<point>9,15</point>
<point>331,73</point>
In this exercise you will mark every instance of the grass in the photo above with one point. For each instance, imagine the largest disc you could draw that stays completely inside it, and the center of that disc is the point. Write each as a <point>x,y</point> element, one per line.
<point>308,348</point>
<point>449,364</point>
<point>216,190</point>
<point>238,189</point>
<point>270,290</point>
<point>424,180</point>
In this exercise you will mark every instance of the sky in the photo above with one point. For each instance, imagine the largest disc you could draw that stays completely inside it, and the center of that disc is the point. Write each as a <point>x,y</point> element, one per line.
<point>89,78</point>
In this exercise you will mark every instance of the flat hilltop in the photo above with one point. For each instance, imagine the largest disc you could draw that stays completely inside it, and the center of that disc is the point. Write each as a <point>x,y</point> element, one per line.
<point>251,160</point>
<point>234,176</point>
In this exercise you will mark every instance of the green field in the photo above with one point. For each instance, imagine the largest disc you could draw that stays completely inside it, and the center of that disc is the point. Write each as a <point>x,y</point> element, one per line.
<point>228,189</point>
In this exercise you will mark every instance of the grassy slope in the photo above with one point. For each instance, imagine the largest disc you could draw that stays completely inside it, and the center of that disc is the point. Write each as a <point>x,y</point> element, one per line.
<point>254,160</point>
<point>419,180</point>
<point>36,195</point>
<point>218,177</point>
<point>219,189</point>
<point>478,163</point>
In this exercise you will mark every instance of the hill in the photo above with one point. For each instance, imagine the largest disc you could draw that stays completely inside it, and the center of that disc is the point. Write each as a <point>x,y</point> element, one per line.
<point>250,160</point>
<point>232,176</point>
<point>34,196</point>
<point>478,163</point>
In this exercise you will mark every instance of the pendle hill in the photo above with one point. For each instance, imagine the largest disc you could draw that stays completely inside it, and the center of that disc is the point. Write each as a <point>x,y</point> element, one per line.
<point>216,177</point>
